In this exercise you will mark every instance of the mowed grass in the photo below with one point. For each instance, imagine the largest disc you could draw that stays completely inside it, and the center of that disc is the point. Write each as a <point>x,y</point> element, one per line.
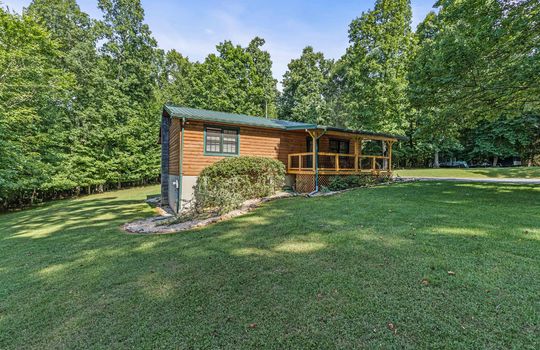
<point>344,271</point>
<point>514,172</point>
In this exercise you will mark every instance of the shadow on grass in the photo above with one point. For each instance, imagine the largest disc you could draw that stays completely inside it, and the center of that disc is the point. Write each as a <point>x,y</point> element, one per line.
<point>322,272</point>
<point>518,172</point>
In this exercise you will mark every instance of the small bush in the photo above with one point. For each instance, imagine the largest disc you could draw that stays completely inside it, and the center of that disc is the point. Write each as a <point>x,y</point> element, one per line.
<point>224,185</point>
<point>338,183</point>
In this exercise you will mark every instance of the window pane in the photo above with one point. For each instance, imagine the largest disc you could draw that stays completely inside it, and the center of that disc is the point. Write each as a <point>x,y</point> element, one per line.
<point>344,147</point>
<point>213,140</point>
<point>230,138</point>
<point>334,146</point>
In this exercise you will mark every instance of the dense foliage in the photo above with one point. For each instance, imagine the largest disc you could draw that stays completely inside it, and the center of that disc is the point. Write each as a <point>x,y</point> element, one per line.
<point>464,85</point>
<point>227,183</point>
<point>81,98</point>
<point>307,94</point>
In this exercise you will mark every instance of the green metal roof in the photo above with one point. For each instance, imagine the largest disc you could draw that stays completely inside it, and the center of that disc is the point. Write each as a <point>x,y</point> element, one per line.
<point>243,119</point>
<point>233,118</point>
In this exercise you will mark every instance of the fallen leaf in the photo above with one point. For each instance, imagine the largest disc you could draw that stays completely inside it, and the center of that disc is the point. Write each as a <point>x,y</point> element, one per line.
<point>425,281</point>
<point>252,325</point>
<point>451,273</point>
<point>392,327</point>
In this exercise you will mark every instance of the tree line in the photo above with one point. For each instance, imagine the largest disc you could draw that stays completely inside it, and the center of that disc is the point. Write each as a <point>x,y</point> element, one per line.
<point>81,98</point>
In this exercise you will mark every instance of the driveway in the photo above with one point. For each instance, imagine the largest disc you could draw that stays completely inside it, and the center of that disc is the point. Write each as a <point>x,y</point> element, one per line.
<point>473,179</point>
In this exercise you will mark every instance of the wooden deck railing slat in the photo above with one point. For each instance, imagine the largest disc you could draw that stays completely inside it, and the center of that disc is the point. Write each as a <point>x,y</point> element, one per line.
<point>354,168</point>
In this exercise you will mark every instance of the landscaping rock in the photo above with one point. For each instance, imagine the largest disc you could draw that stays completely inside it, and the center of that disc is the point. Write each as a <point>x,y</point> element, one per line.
<point>158,224</point>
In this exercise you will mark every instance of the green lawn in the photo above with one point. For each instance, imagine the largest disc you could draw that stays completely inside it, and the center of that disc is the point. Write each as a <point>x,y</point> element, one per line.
<point>517,172</point>
<point>327,272</point>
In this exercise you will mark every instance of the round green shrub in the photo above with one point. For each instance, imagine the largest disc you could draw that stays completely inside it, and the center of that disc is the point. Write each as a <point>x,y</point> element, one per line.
<point>224,185</point>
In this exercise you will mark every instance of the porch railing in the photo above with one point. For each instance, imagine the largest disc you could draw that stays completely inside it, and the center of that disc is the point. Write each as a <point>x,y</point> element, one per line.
<point>337,163</point>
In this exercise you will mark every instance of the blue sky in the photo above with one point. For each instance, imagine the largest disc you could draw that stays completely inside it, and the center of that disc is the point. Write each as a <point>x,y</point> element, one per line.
<point>195,27</point>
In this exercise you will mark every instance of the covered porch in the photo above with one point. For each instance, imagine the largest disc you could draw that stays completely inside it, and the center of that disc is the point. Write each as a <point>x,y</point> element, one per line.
<point>330,152</point>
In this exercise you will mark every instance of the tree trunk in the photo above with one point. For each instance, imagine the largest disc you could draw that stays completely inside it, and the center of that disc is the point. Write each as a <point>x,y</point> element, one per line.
<point>436,160</point>
<point>495,160</point>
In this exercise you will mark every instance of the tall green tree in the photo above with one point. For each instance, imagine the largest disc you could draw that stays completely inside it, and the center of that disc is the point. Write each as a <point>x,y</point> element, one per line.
<point>176,79</point>
<point>484,61</point>
<point>32,96</point>
<point>306,87</point>
<point>504,137</point>
<point>374,68</point>
<point>236,79</point>
<point>131,109</point>
<point>431,130</point>
<point>262,88</point>
<point>76,35</point>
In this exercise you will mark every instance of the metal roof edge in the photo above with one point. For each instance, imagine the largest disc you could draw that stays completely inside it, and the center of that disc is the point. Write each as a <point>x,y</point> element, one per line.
<point>302,127</point>
<point>227,121</point>
<point>364,132</point>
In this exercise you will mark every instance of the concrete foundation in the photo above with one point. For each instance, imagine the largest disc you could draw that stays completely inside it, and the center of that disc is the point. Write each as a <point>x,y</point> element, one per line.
<point>188,189</point>
<point>172,191</point>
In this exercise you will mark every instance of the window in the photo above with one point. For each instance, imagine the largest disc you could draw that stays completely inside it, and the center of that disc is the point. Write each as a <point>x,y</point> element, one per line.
<point>339,146</point>
<point>221,141</point>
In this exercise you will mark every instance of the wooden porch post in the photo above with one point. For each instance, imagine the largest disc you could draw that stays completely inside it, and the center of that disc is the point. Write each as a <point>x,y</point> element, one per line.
<point>313,148</point>
<point>356,154</point>
<point>390,145</point>
<point>384,149</point>
<point>315,135</point>
<point>360,140</point>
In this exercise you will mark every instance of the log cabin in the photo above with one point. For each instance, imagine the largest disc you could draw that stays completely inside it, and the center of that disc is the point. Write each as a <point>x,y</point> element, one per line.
<point>192,139</point>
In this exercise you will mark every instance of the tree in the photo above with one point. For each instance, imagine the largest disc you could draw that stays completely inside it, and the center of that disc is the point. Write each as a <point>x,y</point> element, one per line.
<point>76,35</point>
<point>486,60</point>
<point>503,138</point>
<point>32,95</point>
<point>306,87</point>
<point>374,68</point>
<point>130,108</point>
<point>262,90</point>
<point>176,79</point>
<point>431,130</point>
<point>236,79</point>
